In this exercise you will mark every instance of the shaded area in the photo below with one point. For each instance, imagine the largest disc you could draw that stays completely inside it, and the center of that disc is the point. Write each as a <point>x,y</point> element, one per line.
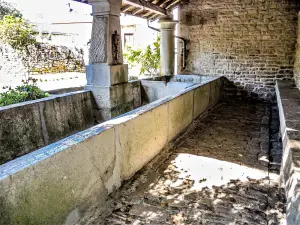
<point>217,173</point>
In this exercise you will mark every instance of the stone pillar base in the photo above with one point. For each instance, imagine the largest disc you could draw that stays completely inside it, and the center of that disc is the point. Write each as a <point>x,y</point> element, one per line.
<point>106,75</point>
<point>115,100</point>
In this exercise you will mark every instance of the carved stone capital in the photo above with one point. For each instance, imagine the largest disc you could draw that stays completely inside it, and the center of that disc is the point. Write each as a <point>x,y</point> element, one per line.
<point>106,7</point>
<point>167,23</point>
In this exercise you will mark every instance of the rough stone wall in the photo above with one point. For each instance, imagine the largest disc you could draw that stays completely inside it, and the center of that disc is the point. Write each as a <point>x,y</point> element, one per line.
<point>297,57</point>
<point>42,58</point>
<point>251,42</point>
<point>46,58</point>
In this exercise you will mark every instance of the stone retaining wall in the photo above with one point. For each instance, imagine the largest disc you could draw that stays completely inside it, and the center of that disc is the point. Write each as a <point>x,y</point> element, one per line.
<point>45,58</point>
<point>251,42</point>
<point>72,178</point>
<point>42,58</point>
<point>288,98</point>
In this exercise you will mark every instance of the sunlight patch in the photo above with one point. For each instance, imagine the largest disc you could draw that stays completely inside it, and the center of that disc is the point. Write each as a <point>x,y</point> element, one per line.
<point>209,172</point>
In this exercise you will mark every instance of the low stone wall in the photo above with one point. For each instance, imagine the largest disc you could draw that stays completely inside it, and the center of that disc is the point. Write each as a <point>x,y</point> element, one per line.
<point>38,123</point>
<point>27,126</point>
<point>66,180</point>
<point>288,98</point>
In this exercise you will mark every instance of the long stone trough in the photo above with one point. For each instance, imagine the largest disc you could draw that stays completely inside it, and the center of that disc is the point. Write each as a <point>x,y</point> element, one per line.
<point>62,182</point>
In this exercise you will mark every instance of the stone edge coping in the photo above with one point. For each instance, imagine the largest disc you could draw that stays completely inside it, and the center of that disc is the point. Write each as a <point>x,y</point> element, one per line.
<point>288,100</point>
<point>52,97</point>
<point>64,90</point>
<point>160,78</point>
<point>189,84</point>
<point>288,96</point>
<point>38,155</point>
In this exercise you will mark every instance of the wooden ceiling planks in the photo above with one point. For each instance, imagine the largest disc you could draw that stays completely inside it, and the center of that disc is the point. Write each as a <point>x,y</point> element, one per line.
<point>147,9</point>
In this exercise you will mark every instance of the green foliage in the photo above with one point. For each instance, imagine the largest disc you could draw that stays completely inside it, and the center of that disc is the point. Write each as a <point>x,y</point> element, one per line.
<point>16,32</point>
<point>27,91</point>
<point>8,9</point>
<point>148,58</point>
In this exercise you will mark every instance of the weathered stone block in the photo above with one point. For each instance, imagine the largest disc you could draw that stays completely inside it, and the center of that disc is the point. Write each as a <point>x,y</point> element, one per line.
<point>73,174</point>
<point>67,115</point>
<point>215,92</point>
<point>106,75</point>
<point>41,122</point>
<point>117,99</point>
<point>180,114</point>
<point>20,131</point>
<point>201,100</point>
<point>141,138</point>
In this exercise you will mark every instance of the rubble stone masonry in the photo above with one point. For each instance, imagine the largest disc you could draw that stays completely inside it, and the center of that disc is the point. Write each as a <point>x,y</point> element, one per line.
<point>251,42</point>
<point>297,57</point>
<point>42,58</point>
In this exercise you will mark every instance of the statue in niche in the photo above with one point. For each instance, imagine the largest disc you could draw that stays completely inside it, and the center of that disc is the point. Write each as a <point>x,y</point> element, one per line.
<point>116,48</point>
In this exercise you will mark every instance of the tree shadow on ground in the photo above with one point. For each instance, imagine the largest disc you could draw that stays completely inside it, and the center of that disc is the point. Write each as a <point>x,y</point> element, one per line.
<point>217,173</point>
<point>169,196</point>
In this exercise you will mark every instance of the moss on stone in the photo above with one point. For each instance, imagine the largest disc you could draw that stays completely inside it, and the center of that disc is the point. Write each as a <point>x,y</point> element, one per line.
<point>47,203</point>
<point>4,210</point>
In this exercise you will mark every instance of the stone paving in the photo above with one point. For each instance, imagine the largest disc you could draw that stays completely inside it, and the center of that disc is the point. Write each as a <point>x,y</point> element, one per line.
<point>218,173</point>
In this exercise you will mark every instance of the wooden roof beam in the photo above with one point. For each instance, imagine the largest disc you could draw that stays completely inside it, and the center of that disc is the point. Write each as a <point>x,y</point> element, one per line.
<point>160,2</point>
<point>153,17</point>
<point>147,14</point>
<point>164,3</point>
<point>136,11</point>
<point>125,8</point>
<point>147,6</point>
<point>172,4</point>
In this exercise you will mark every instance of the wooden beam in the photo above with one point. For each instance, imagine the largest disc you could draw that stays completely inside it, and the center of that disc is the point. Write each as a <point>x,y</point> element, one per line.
<point>159,2</point>
<point>172,4</point>
<point>152,17</point>
<point>125,8</point>
<point>136,11</point>
<point>164,3</point>
<point>147,14</point>
<point>139,15</point>
<point>147,6</point>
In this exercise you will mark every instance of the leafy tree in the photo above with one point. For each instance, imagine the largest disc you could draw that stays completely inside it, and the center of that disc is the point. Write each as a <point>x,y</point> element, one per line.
<point>8,9</point>
<point>16,32</point>
<point>148,58</point>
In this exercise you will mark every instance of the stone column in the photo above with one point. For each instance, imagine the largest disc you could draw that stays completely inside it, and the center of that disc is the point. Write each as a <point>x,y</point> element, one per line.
<point>106,74</point>
<point>167,45</point>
